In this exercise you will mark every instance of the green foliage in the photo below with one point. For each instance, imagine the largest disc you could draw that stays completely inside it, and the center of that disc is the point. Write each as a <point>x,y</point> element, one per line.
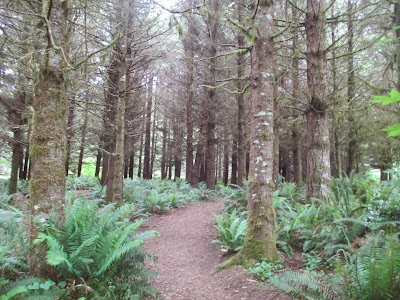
<point>231,229</point>
<point>394,96</point>
<point>265,270</point>
<point>155,202</point>
<point>159,195</point>
<point>97,246</point>
<point>82,182</point>
<point>235,195</point>
<point>304,285</point>
<point>34,288</point>
<point>373,272</point>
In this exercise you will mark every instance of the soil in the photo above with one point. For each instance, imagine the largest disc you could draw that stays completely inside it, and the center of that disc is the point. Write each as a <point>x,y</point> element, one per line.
<point>187,260</point>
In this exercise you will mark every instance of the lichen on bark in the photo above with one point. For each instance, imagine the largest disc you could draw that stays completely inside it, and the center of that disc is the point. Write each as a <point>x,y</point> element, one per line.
<point>260,242</point>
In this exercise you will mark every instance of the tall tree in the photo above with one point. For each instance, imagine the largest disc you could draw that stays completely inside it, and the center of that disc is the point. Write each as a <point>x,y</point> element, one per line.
<point>260,240</point>
<point>318,152</point>
<point>47,140</point>
<point>147,159</point>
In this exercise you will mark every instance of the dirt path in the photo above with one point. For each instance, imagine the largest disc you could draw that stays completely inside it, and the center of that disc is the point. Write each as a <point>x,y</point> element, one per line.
<point>187,260</point>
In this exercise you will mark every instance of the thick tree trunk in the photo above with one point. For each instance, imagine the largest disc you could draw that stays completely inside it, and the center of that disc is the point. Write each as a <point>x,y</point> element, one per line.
<point>48,137</point>
<point>318,152</point>
<point>260,235</point>
<point>147,159</point>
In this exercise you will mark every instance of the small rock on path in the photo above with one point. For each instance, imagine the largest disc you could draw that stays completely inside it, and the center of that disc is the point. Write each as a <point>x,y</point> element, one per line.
<point>187,260</point>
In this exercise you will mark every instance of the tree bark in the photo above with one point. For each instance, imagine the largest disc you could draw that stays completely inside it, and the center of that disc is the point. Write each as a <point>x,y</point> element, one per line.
<point>70,131</point>
<point>48,137</point>
<point>260,235</point>
<point>296,133</point>
<point>147,159</point>
<point>351,149</point>
<point>164,150</point>
<point>241,153</point>
<point>189,64</point>
<point>318,152</point>
<point>211,99</point>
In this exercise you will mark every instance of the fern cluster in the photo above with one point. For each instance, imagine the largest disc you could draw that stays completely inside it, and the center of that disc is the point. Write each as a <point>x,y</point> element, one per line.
<point>232,229</point>
<point>99,247</point>
<point>372,272</point>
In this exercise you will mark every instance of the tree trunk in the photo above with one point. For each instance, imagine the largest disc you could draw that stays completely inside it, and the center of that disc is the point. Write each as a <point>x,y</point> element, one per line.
<point>70,131</point>
<point>139,174</point>
<point>17,141</point>
<point>153,140</point>
<point>17,154</point>
<point>296,133</point>
<point>123,53</point>
<point>178,137</point>
<point>225,165</point>
<point>83,131</point>
<point>146,167</point>
<point>351,149</point>
<point>98,163</point>
<point>234,176</point>
<point>189,64</point>
<point>211,98</point>
<point>260,235</point>
<point>318,152</point>
<point>26,160</point>
<point>48,137</point>
<point>241,153</point>
<point>164,150</point>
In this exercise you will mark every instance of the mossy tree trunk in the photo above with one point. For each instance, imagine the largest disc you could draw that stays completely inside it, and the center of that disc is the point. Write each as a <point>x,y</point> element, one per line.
<point>318,152</point>
<point>48,136</point>
<point>260,240</point>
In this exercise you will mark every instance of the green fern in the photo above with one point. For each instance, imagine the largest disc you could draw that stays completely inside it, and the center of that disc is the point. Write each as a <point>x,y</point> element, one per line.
<point>232,229</point>
<point>98,247</point>
<point>374,271</point>
<point>304,286</point>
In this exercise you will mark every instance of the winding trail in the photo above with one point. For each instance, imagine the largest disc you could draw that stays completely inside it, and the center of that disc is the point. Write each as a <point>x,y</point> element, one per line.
<point>187,260</point>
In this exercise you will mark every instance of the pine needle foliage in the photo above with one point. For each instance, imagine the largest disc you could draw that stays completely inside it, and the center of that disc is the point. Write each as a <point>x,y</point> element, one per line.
<point>99,247</point>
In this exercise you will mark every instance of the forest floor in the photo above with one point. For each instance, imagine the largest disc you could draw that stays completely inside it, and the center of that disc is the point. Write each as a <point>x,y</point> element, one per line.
<point>187,261</point>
